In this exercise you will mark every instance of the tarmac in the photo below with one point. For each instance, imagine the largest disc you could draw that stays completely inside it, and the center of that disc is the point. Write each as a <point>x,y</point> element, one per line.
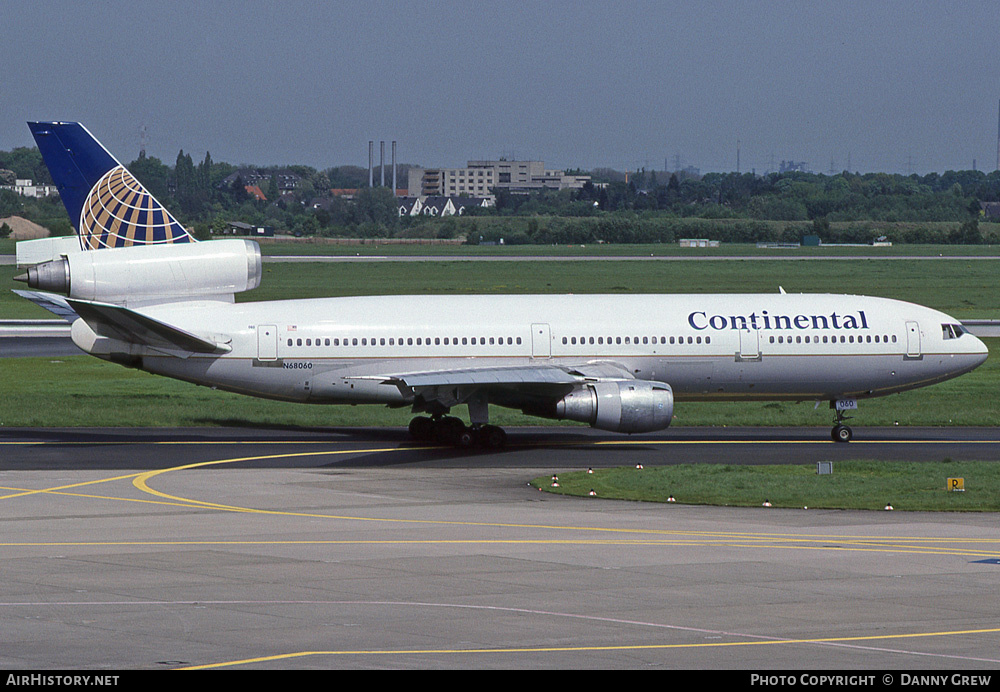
<point>352,548</point>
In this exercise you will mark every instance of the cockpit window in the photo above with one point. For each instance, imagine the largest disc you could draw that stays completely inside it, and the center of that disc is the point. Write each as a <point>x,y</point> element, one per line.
<point>952,331</point>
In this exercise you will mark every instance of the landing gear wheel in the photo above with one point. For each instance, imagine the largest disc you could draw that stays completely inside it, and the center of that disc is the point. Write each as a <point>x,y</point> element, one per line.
<point>492,437</point>
<point>449,430</point>
<point>422,428</point>
<point>842,433</point>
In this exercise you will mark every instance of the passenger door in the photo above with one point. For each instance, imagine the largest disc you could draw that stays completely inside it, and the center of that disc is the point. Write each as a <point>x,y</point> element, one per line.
<point>267,342</point>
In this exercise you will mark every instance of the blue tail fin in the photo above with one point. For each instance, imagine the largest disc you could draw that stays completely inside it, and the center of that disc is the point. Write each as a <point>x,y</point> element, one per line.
<point>108,207</point>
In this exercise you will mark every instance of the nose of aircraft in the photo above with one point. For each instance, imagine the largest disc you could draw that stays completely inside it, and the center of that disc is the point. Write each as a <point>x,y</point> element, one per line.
<point>981,351</point>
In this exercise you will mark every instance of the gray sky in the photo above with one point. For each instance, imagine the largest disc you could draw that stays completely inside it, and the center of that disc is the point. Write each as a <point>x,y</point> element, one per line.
<point>896,86</point>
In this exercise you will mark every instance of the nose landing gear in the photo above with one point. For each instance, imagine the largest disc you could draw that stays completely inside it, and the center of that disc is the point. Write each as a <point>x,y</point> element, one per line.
<point>841,432</point>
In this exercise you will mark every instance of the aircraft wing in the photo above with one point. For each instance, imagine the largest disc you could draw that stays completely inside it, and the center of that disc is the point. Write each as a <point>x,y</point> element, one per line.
<point>515,385</point>
<point>531,374</point>
<point>123,324</point>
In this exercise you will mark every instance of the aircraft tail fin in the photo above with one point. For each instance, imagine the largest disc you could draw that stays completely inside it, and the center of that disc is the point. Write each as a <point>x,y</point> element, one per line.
<point>107,206</point>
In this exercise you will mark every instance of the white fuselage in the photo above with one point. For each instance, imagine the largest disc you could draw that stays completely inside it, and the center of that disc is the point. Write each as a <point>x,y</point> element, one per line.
<point>748,346</point>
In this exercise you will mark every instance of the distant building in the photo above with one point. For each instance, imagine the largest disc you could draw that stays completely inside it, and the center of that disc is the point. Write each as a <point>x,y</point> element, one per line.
<point>425,205</point>
<point>287,181</point>
<point>990,210</point>
<point>25,188</point>
<point>698,242</point>
<point>240,228</point>
<point>789,166</point>
<point>480,177</point>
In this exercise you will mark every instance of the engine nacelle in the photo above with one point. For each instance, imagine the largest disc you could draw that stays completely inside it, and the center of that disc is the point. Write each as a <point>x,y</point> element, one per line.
<point>146,272</point>
<point>625,406</point>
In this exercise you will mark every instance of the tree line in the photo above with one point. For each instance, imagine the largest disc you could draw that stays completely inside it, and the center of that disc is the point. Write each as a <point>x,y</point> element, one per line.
<point>641,206</point>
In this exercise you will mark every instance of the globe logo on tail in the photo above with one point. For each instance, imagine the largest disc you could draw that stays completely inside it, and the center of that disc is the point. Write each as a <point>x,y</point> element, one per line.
<point>120,212</point>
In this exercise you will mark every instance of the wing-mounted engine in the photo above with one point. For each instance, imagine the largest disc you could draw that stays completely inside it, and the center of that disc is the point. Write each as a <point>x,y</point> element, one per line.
<point>628,406</point>
<point>144,274</point>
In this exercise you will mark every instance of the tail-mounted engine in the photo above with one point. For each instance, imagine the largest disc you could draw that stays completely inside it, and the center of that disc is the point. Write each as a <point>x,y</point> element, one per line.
<point>149,272</point>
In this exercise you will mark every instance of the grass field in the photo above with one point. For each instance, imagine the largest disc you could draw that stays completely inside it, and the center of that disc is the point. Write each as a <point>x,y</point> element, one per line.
<point>85,391</point>
<point>964,288</point>
<point>308,246</point>
<point>862,484</point>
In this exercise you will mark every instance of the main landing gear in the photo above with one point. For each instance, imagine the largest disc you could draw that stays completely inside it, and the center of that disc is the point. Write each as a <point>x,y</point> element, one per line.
<point>452,431</point>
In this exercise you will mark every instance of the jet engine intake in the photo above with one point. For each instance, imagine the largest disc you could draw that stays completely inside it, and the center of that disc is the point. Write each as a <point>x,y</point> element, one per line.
<point>631,406</point>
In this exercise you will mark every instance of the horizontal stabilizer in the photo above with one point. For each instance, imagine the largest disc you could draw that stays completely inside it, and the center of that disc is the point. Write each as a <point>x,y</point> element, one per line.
<point>123,324</point>
<point>57,305</point>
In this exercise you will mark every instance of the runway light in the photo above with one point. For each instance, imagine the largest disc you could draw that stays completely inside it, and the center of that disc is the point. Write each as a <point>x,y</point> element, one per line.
<point>590,470</point>
<point>767,503</point>
<point>671,499</point>
<point>638,466</point>
<point>888,507</point>
<point>592,493</point>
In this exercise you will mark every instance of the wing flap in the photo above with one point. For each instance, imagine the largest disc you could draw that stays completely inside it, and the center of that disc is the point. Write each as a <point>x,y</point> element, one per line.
<point>546,374</point>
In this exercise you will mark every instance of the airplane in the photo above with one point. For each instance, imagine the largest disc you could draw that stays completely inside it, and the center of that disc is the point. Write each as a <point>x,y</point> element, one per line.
<point>141,292</point>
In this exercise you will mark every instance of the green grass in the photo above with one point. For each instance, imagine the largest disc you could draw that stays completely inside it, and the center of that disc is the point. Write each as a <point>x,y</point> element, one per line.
<point>305,247</point>
<point>916,486</point>
<point>964,288</point>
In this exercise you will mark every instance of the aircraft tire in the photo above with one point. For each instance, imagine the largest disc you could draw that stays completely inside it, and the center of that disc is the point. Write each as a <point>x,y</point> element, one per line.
<point>422,428</point>
<point>449,429</point>
<point>842,433</point>
<point>492,437</point>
